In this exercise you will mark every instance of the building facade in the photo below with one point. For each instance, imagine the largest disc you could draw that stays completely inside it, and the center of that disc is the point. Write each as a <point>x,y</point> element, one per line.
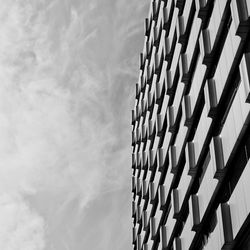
<point>191,127</point>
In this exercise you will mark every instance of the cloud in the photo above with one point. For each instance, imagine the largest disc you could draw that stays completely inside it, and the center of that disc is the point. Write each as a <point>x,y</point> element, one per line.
<point>20,227</point>
<point>67,74</point>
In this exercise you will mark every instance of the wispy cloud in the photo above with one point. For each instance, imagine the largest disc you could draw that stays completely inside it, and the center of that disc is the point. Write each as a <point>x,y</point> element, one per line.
<point>66,70</point>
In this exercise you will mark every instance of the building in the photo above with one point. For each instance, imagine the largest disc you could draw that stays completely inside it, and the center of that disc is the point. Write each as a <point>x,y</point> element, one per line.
<point>191,127</point>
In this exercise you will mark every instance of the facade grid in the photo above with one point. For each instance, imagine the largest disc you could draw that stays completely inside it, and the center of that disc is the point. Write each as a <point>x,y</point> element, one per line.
<point>191,127</point>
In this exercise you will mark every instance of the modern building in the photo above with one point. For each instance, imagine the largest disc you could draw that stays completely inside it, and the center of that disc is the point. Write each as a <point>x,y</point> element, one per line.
<point>191,127</point>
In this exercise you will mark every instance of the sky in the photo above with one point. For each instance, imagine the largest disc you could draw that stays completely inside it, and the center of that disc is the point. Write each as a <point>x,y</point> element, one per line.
<point>68,70</point>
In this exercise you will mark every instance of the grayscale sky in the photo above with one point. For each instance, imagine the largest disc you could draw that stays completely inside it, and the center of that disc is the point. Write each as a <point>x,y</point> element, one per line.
<point>67,78</point>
